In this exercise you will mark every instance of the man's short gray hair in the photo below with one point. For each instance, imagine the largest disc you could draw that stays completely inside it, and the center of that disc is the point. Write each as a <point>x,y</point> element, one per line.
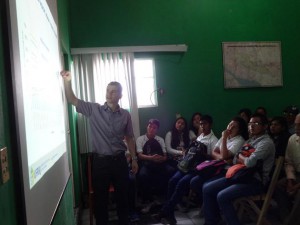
<point>117,84</point>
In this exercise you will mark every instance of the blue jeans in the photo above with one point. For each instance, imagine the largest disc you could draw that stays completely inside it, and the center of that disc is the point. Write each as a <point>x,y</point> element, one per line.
<point>178,185</point>
<point>219,195</point>
<point>198,181</point>
<point>153,180</point>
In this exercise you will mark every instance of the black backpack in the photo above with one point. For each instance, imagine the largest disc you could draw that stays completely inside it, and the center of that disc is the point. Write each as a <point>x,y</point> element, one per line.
<point>152,147</point>
<point>197,153</point>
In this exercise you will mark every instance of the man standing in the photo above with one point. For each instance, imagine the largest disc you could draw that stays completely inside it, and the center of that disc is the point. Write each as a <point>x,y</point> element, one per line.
<point>109,125</point>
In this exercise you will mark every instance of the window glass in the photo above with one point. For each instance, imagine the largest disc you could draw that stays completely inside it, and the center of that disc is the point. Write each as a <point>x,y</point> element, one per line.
<point>144,71</point>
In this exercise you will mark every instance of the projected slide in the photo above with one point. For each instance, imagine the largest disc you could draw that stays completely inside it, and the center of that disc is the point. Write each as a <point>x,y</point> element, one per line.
<point>42,96</point>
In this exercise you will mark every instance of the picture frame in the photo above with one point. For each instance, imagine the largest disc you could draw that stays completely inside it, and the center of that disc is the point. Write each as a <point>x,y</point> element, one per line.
<point>252,64</point>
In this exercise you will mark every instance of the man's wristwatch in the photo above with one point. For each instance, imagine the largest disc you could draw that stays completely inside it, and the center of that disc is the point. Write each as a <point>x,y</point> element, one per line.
<point>134,158</point>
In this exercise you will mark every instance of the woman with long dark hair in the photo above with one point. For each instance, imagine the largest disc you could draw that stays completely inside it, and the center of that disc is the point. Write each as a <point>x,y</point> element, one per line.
<point>177,140</point>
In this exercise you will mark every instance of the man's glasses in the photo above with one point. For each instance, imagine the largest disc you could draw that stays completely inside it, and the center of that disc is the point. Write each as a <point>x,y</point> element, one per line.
<point>254,123</point>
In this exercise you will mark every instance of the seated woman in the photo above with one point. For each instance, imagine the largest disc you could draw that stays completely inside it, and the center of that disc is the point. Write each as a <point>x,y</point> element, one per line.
<point>195,129</point>
<point>177,141</point>
<point>219,195</point>
<point>231,141</point>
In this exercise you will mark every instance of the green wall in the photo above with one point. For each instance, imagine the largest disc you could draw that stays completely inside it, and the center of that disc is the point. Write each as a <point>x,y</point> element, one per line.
<point>193,81</point>
<point>8,213</point>
<point>64,24</point>
<point>65,211</point>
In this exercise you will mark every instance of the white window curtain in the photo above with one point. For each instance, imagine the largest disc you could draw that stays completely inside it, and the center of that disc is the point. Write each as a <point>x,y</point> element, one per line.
<point>92,74</point>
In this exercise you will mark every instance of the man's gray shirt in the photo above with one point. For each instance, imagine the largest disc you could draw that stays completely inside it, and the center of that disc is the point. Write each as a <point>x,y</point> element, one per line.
<point>108,128</point>
<point>265,150</point>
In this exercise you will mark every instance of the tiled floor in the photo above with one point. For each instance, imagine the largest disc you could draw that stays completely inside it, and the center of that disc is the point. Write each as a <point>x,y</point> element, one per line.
<point>190,218</point>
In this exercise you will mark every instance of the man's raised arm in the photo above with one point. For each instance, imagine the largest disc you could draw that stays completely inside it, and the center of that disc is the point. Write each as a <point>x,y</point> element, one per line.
<point>68,87</point>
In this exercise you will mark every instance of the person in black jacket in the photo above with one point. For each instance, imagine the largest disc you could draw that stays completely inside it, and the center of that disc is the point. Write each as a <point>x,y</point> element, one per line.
<point>279,133</point>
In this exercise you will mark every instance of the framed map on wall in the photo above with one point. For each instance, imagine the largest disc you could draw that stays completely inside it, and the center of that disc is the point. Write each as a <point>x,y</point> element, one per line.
<point>252,64</point>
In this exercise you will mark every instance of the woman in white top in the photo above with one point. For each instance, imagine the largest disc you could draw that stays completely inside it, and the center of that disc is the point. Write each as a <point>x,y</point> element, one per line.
<point>232,139</point>
<point>177,140</point>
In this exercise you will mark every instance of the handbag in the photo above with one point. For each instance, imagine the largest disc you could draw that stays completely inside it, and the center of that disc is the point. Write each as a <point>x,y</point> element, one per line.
<point>239,173</point>
<point>210,168</point>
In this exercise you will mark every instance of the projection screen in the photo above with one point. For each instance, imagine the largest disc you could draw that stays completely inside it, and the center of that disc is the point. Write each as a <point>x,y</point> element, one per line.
<point>40,107</point>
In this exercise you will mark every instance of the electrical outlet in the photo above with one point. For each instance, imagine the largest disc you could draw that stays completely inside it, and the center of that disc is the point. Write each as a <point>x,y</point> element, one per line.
<point>161,91</point>
<point>4,175</point>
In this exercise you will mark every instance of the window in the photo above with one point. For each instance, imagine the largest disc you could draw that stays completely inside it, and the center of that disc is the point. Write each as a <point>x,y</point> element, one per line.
<point>118,67</point>
<point>145,82</point>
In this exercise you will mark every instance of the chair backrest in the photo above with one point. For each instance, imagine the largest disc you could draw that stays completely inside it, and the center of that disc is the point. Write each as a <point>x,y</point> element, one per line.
<point>271,188</point>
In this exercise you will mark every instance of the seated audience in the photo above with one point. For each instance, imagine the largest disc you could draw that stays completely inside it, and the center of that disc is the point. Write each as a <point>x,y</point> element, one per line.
<point>287,194</point>
<point>290,113</point>
<point>154,171</point>
<point>177,141</point>
<point>245,113</point>
<point>195,130</point>
<point>278,131</point>
<point>219,195</point>
<point>231,141</point>
<point>179,184</point>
